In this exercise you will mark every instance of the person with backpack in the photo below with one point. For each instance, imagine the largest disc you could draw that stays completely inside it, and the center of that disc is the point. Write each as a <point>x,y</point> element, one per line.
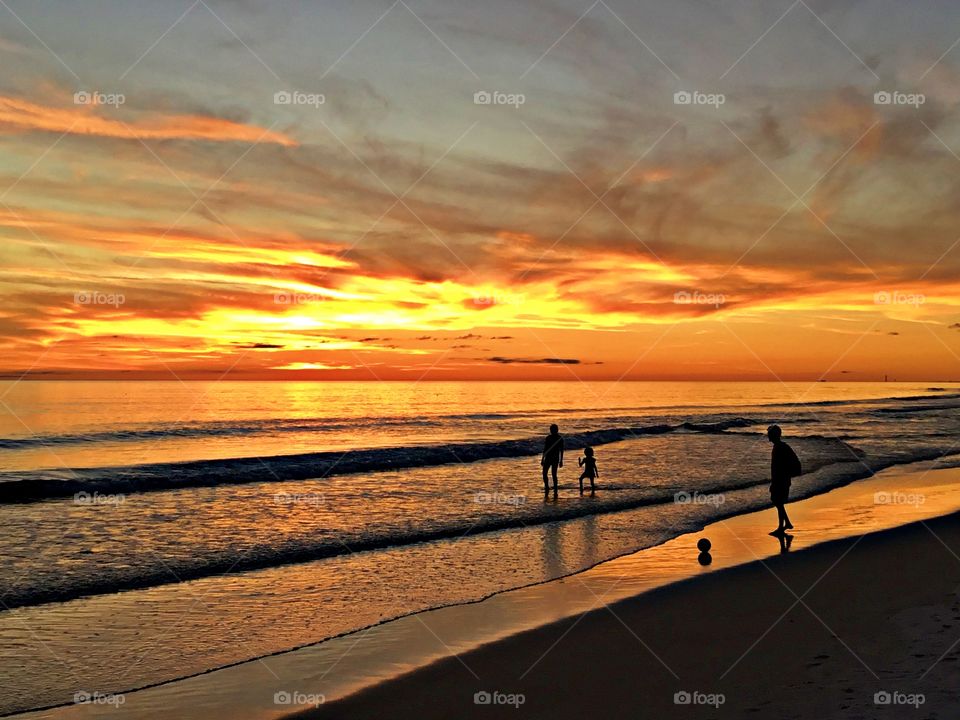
<point>784,466</point>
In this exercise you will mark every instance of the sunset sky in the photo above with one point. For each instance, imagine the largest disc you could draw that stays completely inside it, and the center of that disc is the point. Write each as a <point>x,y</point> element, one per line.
<point>177,221</point>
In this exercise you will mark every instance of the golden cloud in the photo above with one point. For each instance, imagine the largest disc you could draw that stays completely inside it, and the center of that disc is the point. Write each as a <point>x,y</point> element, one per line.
<point>83,120</point>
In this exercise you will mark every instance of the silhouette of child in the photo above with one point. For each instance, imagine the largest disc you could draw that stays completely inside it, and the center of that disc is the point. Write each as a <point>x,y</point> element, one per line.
<point>589,464</point>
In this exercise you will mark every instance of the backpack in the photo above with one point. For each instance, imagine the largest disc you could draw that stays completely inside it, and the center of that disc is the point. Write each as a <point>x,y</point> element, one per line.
<point>794,463</point>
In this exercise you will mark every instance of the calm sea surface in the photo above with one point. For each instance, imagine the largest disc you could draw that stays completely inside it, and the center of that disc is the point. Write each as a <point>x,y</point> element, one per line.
<point>153,530</point>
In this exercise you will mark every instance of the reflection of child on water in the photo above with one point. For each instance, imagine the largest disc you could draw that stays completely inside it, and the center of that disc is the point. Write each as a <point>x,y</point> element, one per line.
<point>589,464</point>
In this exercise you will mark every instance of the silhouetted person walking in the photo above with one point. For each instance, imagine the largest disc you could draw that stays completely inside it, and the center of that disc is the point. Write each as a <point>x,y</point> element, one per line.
<point>784,465</point>
<point>552,457</point>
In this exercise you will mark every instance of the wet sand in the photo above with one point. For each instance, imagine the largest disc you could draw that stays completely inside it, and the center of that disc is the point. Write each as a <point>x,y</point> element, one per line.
<point>815,633</point>
<point>889,601</point>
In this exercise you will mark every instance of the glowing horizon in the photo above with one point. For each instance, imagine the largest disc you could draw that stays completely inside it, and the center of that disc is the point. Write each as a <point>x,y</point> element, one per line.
<point>328,193</point>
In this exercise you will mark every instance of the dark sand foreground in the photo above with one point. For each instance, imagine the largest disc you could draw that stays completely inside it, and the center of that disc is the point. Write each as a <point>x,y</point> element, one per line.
<point>810,634</point>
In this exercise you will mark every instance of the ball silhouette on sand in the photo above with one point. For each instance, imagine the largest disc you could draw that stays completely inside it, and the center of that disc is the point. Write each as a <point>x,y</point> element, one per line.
<point>703,545</point>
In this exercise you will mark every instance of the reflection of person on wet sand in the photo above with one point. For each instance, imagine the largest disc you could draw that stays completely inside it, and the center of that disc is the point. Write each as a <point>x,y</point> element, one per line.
<point>552,457</point>
<point>786,540</point>
<point>784,465</point>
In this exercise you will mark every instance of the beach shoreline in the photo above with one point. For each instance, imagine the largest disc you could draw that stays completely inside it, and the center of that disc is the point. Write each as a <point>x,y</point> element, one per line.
<point>858,627</point>
<point>374,660</point>
<point>322,563</point>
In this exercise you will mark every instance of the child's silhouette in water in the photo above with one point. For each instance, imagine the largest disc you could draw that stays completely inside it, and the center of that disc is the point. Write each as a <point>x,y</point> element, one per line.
<point>589,464</point>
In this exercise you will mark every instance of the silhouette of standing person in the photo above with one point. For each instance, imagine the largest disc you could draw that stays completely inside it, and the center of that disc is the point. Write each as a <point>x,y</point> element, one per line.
<point>552,457</point>
<point>589,464</point>
<point>784,465</point>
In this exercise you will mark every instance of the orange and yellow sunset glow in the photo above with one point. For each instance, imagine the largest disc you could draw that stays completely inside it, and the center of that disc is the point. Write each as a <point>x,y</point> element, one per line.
<point>181,219</point>
<point>479,359</point>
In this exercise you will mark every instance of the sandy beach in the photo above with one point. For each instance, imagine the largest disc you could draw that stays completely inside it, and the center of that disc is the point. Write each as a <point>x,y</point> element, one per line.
<point>864,602</point>
<point>450,359</point>
<point>816,633</point>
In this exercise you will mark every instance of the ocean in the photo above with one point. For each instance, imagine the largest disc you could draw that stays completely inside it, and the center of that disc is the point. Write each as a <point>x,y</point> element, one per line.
<point>166,529</point>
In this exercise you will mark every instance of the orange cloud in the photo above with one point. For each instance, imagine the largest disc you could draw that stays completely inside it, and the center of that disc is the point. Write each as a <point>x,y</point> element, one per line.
<point>846,116</point>
<point>81,120</point>
<point>516,237</point>
<point>653,175</point>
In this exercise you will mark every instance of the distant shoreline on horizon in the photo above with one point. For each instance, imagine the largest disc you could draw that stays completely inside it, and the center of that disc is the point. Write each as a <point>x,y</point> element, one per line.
<point>776,381</point>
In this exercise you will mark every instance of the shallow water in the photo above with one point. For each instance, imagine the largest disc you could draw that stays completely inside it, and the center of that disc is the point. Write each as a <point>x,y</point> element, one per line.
<point>343,665</point>
<point>430,536</point>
